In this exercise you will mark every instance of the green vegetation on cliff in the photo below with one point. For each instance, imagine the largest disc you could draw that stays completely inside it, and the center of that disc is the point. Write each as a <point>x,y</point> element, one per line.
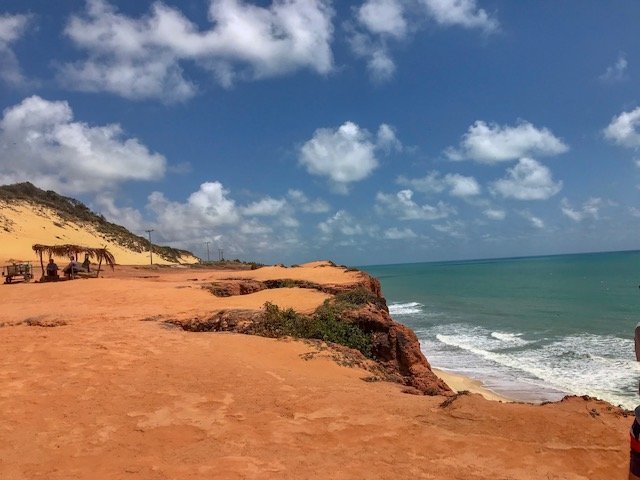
<point>325,324</point>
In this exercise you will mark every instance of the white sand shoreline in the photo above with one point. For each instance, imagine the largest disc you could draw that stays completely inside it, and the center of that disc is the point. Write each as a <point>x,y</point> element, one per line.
<point>459,383</point>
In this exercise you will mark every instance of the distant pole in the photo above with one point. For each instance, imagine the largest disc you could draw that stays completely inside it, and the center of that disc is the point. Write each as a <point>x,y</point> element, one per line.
<point>220,254</point>
<point>208,259</point>
<point>150,247</point>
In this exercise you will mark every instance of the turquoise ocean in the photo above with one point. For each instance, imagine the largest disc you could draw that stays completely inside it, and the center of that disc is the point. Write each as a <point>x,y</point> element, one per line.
<point>532,329</point>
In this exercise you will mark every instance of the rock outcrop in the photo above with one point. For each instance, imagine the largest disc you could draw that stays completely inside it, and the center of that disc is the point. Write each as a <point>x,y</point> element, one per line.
<point>242,286</point>
<point>394,347</point>
<point>397,348</point>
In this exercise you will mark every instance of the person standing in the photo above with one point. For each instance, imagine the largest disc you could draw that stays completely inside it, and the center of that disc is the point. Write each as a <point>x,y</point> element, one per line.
<point>634,434</point>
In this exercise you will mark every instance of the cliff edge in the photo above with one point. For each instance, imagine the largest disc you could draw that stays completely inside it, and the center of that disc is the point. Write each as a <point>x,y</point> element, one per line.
<point>113,389</point>
<point>393,347</point>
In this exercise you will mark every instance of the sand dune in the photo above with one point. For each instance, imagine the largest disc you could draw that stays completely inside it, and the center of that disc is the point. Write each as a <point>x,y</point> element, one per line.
<point>23,224</point>
<point>105,395</point>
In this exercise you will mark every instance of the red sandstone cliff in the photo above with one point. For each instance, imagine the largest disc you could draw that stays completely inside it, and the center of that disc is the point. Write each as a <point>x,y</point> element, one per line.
<point>394,347</point>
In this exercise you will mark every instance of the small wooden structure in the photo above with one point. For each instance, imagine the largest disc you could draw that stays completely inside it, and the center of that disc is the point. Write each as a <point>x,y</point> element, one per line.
<point>23,270</point>
<point>68,250</point>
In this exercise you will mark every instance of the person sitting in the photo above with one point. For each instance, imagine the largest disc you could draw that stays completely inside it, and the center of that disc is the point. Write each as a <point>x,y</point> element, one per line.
<point>52,270</point>
<point>73,268</point>
<point>86,264</point>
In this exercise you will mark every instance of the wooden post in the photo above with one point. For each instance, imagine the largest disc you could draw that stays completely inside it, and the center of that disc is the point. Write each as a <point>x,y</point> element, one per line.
<point>99,264</point>
<point>41,265</point>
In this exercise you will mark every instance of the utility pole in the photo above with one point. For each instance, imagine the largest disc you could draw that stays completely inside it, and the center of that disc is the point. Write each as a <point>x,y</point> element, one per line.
<point>220,254</point>
<point>208,259</point>
<point>150,247</point>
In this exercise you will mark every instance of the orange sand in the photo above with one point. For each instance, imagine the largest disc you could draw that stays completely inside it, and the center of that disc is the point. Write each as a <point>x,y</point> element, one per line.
<point>108,396</point>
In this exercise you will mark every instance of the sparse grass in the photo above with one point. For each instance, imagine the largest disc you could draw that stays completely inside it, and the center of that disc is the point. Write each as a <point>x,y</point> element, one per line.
<point>286,283</point>
<point>324,325</point>
<point>44,322</point>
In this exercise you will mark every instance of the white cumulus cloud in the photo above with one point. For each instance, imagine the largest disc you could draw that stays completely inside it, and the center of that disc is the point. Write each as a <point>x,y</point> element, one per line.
<point>12,27</point>
<point>210,214</point>
<point>380,23</point>
<point>399,234</point>
<point>536,222</point>
<point>462,186</point>
<point>402,206</point>
<point>266,207</point>
<point>343,223</point>
<point>528,180</point>
<point>379,62</point>
<point>453,228</point>
<point>387,139</point>
<point>207,208</point>
<point>346,154</point>
<point>623,129</point>
<point>279,208</point>
<point>383,17</point>
<point>616,72</point>
<point>129,217</point>
<point>494,214</point>
<point>303,203</point>
<point>431,183</point>
<point>457,185</point>
<point>589,209</point>
<point>43,144</point>
<point>462,13</point>
<point>142,57</point>
<point>491,143</point>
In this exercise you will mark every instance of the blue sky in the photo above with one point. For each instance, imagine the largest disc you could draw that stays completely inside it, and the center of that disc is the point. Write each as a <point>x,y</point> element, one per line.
<point>372,131</point>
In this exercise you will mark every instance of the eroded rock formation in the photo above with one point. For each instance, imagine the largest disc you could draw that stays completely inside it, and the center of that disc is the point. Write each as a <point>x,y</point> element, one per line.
<point>394,346</point>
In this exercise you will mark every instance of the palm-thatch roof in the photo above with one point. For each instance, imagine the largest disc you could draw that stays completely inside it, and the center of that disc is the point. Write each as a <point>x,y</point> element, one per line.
<point>68,250</point>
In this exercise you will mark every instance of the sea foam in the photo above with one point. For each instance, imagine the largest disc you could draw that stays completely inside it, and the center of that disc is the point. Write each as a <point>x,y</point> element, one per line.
<point>509,338</point>
<point>584,364</point>
<point>409,308</point>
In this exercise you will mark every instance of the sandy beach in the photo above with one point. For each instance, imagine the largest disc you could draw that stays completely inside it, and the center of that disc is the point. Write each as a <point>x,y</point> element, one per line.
<point>109,391</point>
<point>460,383</point>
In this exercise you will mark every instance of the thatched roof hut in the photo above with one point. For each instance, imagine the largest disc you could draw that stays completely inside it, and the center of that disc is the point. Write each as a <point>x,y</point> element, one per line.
<point>69,250</point>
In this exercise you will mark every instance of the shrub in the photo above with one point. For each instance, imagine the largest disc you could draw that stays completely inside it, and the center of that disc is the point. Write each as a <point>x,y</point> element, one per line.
<point>332,329</point>
<point>281,323</point>
<point>324,325</point>
<point>356,298</point>
<point>285,283</point>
